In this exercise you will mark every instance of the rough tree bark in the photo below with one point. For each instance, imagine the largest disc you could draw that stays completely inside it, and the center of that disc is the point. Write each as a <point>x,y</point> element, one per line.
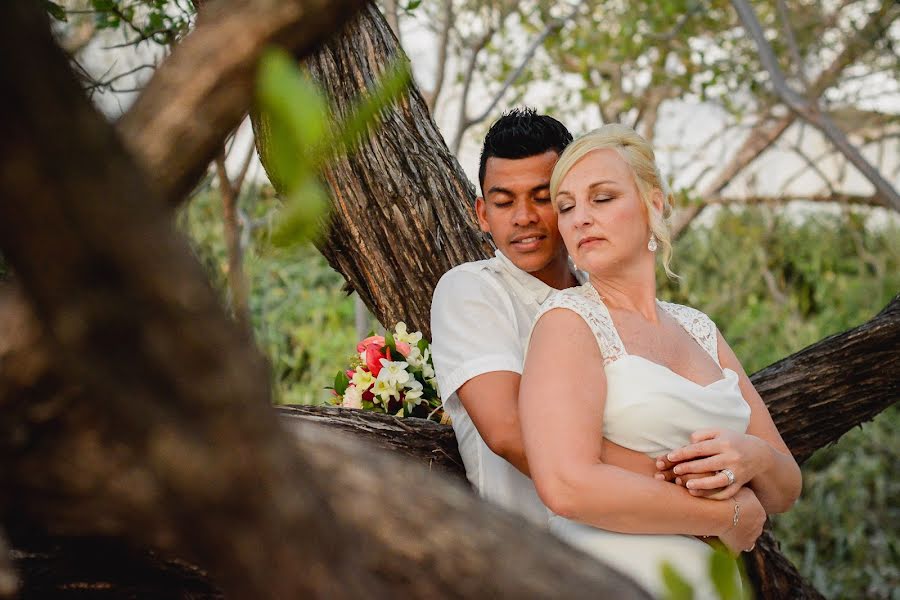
<point>160,436</point>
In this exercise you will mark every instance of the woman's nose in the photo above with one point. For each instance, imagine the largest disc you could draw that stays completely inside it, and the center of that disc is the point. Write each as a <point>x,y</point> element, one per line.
<point>582,215</point>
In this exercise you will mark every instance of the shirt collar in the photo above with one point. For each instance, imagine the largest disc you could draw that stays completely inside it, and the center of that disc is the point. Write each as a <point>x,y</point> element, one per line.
<point>528,286</point>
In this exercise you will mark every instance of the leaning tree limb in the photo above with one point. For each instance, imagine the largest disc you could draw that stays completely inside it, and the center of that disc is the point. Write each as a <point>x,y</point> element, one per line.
<point>179,123</point>
<point>797,387</point>
<point>168,444</point>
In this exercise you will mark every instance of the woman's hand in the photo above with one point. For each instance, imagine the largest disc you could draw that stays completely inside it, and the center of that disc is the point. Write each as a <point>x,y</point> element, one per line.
<point>742,537</point>
<point>698,466</point>
<point>665,472</point>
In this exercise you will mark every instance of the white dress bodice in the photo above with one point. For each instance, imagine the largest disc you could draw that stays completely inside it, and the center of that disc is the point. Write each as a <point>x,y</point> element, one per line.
<point>651,409</point>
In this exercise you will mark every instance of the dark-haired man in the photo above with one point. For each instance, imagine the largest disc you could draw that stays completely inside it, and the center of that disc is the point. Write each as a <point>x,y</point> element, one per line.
<point>481,312</point>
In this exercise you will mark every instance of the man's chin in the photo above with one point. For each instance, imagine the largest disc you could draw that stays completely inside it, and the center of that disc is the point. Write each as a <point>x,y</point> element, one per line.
<point>529,262</point>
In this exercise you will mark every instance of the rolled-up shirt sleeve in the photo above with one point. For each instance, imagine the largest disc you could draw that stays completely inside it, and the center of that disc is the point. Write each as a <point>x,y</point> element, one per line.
<point>473,330</point>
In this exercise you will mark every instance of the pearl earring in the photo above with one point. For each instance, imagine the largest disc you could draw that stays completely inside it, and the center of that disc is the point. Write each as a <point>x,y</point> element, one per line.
<point>652,245</point>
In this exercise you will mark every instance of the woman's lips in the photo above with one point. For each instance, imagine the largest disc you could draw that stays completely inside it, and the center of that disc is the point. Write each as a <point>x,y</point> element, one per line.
<point>589,241</point>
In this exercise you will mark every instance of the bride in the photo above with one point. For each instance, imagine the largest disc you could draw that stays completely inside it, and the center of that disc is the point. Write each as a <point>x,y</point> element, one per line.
<point>609,360</point>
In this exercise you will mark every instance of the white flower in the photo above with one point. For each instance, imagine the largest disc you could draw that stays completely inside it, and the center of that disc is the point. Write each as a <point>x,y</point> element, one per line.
<point>427,371</point>
<point>393,371</point>
<point>362,379</point>
<point>414,358</point>
<point>384,389</point>
<point>413,392</point>
<point>433,383</point>
<point>352,397</point>
<point>401,335</point>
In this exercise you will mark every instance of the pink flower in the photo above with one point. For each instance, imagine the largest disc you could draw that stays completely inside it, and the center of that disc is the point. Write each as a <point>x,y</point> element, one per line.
<point>373,359</point>
<point>377,341</point>
<point>372,340</point>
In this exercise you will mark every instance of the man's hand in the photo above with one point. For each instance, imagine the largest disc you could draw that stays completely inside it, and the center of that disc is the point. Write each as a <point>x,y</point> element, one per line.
<point>698,466</point>
<point>665,471</point>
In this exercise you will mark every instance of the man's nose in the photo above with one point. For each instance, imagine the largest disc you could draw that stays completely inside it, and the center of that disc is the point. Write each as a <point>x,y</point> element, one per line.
<point>525,214</point>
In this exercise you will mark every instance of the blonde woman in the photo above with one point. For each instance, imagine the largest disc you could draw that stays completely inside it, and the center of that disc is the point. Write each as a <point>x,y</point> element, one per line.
<point>609,360</point>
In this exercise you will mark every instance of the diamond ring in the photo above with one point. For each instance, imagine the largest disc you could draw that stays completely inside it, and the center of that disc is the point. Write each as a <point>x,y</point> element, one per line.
<point>729,474</point>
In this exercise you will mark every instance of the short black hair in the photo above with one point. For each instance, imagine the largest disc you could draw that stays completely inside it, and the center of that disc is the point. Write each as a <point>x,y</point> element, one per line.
<point>522,133</point>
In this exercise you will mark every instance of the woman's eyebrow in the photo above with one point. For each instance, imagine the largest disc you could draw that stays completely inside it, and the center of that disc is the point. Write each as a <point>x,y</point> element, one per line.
<point>601,183</point>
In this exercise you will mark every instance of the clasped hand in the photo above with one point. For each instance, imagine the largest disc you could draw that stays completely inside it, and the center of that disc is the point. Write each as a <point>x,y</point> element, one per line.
<point>698,466</point>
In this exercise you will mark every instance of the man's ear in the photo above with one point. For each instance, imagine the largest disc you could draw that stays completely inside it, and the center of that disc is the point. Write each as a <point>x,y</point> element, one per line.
<point>481,213</point>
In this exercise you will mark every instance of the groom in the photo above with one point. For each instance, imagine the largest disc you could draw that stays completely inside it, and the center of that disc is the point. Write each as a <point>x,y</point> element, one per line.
<point>482,311</point>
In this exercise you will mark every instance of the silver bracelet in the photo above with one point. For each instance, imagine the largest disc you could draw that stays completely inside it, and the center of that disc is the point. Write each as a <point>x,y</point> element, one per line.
<point>737,515</point>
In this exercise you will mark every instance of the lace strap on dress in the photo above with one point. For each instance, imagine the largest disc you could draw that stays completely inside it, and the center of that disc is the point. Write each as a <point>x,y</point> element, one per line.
<point>596,317</point>
<point>698,325</point>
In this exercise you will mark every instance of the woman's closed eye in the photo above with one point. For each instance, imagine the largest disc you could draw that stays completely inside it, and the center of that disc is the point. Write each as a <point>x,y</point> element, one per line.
<point>603,198</point>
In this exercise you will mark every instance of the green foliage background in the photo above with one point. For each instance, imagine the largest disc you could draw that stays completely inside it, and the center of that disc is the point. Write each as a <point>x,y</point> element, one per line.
<point>774,282</point>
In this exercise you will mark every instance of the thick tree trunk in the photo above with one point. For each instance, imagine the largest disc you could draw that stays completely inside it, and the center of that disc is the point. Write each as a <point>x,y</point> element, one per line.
<point>161,436</point>
<point>402,208</point>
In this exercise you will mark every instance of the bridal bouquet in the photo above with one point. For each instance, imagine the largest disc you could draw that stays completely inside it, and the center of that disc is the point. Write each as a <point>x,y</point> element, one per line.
<point>391,374</point>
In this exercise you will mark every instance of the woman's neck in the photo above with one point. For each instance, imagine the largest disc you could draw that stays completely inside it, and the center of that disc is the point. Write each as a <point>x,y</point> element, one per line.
<point>633,292</point>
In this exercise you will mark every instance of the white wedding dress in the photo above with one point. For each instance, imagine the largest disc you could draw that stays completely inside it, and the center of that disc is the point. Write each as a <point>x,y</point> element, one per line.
<point>651,409</point>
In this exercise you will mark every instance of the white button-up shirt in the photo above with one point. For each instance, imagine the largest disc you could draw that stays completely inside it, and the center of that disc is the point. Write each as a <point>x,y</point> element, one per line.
<point>481,316</point>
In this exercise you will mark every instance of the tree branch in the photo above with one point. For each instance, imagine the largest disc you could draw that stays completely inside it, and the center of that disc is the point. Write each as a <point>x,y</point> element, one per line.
<point>431,98</point>
<point>237,282</point>
<point>759,140</point>
<point>465,122</point>
<point>809,109</point>
<point>462,119</point>
<point>205,86</point>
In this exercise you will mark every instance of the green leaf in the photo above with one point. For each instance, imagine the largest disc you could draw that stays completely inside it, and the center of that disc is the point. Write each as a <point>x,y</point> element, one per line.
<point>299,220</point>
<point>55,10</point>
<point>390,87</point>
<point>341,382</point>
<point>297,117</point>
<point>390,343</point>
<point>412,5</point>
<point>677,587</point>
<point>723,571</point>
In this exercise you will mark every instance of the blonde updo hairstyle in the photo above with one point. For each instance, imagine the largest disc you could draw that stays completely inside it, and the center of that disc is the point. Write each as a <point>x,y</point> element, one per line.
<point>638,153</point>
